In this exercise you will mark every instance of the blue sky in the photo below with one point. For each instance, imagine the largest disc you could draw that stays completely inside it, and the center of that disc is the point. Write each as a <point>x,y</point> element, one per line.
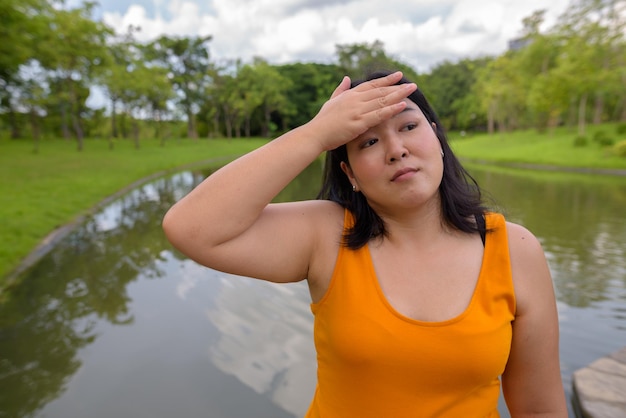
<point>421,33</point>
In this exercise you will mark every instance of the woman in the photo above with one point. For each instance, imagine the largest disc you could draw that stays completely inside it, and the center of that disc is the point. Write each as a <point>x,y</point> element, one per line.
<point>422,299</point>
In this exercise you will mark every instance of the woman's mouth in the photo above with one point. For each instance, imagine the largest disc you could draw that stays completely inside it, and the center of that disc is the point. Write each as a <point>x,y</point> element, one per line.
<point>403,174</point>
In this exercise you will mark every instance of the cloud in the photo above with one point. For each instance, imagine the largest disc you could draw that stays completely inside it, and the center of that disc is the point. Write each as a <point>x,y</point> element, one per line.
<point>421,33</point>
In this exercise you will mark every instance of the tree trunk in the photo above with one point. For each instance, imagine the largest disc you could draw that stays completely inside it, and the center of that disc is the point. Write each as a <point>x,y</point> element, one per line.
<point>191,126</point>
<point>491,123</point>
<point>75,114</point>
<point>247,126</point>
<point>268,120</point>
<point>136,133</point>
<point>582,111</point>
<point>113,119</point>
<point>78,130</point>
<point>64,128</point>
<point>34,123</point>
<point>598,109</point>
<point>228,124</point>
<point>216,124</point>
<point>15,126</point>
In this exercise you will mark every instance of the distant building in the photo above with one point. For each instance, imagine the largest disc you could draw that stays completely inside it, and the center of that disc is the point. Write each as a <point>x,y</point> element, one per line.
<point>519,43</point>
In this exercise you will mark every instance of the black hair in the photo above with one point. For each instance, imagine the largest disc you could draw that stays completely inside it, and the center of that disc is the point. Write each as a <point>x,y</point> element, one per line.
<point>461,198</point>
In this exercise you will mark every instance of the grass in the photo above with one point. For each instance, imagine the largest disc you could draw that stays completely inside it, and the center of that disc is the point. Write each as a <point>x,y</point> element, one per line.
<point>42,192</point>
<point>551,149</point>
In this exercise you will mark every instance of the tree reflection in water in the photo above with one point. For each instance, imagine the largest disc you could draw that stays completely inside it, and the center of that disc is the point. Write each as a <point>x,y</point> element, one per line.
<point>238,347</point>
<point>51,314</point>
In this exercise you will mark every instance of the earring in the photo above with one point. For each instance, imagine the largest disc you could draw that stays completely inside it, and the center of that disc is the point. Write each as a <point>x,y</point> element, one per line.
<point>353,188</point>
<point>442,154</point>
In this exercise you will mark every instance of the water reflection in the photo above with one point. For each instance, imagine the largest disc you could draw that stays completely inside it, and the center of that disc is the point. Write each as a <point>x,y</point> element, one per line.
<point>53,313</point>
<point>113,322</point>
<point>265,340</point>
<point>581,225</point>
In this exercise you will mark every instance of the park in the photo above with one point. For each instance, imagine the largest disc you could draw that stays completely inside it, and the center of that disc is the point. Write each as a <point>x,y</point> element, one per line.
<point>83,261</point>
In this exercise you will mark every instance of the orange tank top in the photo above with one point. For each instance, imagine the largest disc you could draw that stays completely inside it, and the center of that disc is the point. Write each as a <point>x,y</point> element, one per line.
<point>375,362</point>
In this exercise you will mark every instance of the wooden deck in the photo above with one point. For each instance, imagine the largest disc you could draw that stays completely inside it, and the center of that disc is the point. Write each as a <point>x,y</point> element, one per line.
<point>600,388</point>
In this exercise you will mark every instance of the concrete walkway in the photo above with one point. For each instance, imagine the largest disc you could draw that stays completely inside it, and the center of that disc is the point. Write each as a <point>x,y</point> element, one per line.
<point>600,388</point>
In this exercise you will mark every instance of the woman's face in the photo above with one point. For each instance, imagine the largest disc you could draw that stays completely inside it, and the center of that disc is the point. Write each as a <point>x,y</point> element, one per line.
<point>397,164</point>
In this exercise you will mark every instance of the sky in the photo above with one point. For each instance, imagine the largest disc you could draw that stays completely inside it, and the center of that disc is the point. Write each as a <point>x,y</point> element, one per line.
<point>420,33</point>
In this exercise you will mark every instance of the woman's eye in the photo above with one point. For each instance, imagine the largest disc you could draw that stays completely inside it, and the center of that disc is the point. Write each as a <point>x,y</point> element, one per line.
<point>369,143</point>
<point>410,127</point>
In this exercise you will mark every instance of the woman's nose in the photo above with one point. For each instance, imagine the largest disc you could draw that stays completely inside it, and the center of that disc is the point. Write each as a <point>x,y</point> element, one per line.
<point>396,150</point>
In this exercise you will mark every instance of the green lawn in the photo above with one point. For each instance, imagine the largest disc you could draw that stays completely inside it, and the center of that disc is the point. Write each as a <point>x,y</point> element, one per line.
<point>41,192</point>
<point>531,147</point>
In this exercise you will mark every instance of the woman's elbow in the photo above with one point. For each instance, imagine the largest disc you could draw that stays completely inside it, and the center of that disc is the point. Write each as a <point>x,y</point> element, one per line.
<point>173,227</point>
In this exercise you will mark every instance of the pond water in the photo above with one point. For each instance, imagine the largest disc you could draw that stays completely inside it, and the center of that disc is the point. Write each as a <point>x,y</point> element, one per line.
<point>112,322</point>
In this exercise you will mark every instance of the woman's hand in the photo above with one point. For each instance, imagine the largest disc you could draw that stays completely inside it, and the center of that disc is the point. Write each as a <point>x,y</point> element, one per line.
<point>350,112</point>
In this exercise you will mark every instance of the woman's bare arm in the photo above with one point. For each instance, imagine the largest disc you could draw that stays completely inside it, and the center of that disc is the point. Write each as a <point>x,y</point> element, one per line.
<point>532,382</point>
<point>228,223</point>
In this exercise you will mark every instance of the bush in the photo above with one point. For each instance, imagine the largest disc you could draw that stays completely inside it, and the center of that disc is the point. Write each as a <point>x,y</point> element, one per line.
<point>620,149</point>
<point>603,139</point>
<point>580,141</point>
<point>621,129</point>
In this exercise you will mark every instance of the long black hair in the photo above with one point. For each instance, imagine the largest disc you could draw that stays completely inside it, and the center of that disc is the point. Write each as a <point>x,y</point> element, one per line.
<point>461,197</point>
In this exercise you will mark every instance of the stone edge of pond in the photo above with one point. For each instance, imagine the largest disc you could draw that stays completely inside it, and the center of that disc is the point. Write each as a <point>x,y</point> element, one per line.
<point>46,244</point>
<point>599,389</point>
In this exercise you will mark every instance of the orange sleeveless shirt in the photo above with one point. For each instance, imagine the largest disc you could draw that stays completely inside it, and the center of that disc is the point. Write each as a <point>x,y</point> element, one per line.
<point>375,362</point>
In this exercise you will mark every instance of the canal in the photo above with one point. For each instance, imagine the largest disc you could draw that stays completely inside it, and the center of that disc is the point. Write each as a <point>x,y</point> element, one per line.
<point>114,322</point>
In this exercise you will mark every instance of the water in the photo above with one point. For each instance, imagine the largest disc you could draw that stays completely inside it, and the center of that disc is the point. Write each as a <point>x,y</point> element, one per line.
<point>113,322</point>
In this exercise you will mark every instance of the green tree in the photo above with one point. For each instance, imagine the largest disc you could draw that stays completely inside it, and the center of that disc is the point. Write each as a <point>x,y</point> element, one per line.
<point>73,53</point>
<point>592,33</point>
<point>360,59</point>
<point>448,86</point>
<point>188,65</point>
<point>140,90</point>
<point>535,63</point>
<point>311,84</point>
<point>23,24</point>
<point>272,88</point>
<point>501,94</point>
<point>246,96</point>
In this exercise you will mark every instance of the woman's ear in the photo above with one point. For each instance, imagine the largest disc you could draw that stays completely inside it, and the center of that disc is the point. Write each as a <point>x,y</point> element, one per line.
<point>348,171</point>
<point>434,125</point>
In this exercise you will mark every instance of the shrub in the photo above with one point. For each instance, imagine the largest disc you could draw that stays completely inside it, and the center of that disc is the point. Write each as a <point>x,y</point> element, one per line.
<point>620,149</point>
<point>621,129</point>
<point>580,141</point>
<point>603,139</point>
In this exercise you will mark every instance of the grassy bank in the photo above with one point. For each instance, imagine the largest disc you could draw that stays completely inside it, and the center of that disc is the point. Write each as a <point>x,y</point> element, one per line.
<point>44,191</point>
<point>550,149</point>
<point>41,192</point>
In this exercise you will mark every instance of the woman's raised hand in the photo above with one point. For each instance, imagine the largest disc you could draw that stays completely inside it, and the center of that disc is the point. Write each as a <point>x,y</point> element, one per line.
<point>350,112</point>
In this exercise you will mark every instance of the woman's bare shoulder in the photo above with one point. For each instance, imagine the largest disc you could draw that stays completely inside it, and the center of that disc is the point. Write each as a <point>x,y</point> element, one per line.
<point>531,273</point>
<point>523,243</point>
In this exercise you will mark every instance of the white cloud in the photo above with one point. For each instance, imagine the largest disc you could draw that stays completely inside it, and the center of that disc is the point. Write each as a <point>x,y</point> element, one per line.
<point>420,32</point>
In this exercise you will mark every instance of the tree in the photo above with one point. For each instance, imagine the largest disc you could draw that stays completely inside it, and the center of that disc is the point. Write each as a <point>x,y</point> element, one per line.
<point>271,88</point>
<point>499,87</point>
<point>361,59</point>
<point>188,65</point>
<point>447,87</point>
<point>139,89</point>
<point>311,84</point>
<point>23,23</point>
<point>592,33</point>
<point>73,53</point>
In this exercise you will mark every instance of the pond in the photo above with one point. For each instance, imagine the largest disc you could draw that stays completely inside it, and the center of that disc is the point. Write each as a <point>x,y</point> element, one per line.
<point>113,322</point>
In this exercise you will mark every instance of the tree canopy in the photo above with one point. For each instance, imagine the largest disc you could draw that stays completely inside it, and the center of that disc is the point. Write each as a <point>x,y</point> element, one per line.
<point>53,57</point>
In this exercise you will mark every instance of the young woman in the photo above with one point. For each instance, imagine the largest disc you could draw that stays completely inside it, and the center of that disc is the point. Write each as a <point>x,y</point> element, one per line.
<point>422,299</point>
